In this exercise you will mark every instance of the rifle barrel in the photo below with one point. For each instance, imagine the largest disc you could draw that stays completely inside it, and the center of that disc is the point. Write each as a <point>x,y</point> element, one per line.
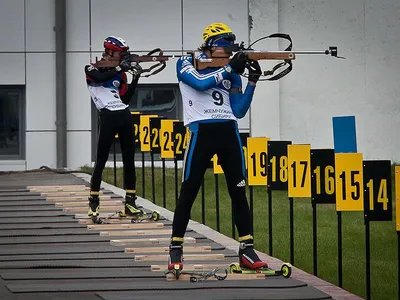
<point>325,52</point>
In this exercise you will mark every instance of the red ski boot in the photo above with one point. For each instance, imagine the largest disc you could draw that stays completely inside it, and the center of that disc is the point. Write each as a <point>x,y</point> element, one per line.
<point>248,258</point>
<point>175,261</point>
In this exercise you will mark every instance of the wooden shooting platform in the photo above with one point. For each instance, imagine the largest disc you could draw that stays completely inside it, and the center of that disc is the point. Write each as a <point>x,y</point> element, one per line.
<point>48,251</point>
<point>165,249</point>
<point>148,241</point>
<point>125,226</point>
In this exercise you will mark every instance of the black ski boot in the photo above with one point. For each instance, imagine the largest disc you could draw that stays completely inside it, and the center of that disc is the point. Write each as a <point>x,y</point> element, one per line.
<point>131,210</point>
<point>175,259</point>
<point>94,206</point>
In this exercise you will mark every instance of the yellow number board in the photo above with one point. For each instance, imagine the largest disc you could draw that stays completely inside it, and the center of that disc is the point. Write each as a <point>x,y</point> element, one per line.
<point>180,137</point>
<point>145,132</point>
<point>299,170</point>
<point>349,182</point>
<point>257,160</point>
<point>166,141</point>
<point>397,188</point>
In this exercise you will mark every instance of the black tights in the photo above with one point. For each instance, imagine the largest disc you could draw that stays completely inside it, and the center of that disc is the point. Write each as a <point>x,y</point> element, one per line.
<point>112,123</point>
<point>208,139</point>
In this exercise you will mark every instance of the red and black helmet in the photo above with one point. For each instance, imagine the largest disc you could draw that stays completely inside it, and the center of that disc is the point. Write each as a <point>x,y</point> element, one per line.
<point>115,44</point>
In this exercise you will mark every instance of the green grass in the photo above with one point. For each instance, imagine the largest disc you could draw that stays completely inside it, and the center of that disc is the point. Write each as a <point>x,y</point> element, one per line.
<point>384,251</point>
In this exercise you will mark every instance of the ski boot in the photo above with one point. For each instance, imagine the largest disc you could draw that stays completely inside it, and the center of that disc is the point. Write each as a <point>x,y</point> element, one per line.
<point>94,206</point>
<point>248,258</point>
<point>131,210</point>
<point>175,259</point>
<point>135,213</point>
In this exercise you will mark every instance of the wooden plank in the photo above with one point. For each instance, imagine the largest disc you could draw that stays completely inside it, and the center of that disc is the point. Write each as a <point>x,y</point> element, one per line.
<point>165,249</point>
<point>104,208</point>
<point>186,277</point>
<point>85,203</point>
<point>149,241</point>
<point>125,226</point>
<point>57,188</point>
<point>136,232</point>
<point>71,193</point>
<point>186,257</point>
<point>88,221</point>
<point>101,215</point>
<point>192,267</point>
<point>74,198</point>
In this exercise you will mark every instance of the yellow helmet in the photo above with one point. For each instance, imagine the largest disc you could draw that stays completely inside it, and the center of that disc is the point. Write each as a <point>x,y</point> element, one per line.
<point>215,29</point>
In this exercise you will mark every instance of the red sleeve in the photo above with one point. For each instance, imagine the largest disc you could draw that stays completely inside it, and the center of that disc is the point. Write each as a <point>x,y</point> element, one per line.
<point>124,86</point>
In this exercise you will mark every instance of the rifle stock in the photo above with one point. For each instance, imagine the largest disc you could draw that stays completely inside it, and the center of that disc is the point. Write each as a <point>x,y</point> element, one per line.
<point>135,59</point>
<point>203,63</point>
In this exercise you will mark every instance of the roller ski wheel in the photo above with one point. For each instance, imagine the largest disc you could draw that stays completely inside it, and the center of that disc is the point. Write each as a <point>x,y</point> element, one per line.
<point>176,271</point>
<point>154,216</point>
<point>285,270</point>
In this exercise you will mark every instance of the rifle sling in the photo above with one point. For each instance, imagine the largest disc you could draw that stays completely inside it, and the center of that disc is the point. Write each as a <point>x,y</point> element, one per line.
<point>287,62</point>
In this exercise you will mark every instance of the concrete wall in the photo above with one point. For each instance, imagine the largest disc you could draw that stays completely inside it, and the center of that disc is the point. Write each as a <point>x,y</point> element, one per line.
<point>298,107</point>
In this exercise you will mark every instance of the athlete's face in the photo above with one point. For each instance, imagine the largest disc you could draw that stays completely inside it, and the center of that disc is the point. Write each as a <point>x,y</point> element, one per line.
<point>220,52</point>
<point>111,55</point>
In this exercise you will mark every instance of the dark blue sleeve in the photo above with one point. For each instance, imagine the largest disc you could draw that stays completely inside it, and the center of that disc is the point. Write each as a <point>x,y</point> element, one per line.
<point>200,82</point>
<point>93,74</point>
<point>240,102</point>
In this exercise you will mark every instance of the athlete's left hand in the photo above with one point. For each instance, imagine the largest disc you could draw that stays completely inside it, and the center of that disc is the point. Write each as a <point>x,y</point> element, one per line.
<point>254,70</point>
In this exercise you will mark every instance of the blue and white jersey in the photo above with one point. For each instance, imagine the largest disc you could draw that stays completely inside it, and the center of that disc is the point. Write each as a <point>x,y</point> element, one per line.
<point>106,94</point>
<point>206,93</point>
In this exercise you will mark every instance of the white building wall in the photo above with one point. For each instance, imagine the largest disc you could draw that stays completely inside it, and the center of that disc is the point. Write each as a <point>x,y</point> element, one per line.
<point>298,107</point>
<point>319,88</point>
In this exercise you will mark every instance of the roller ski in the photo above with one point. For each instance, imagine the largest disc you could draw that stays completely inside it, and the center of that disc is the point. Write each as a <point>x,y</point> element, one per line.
<point>135,214</point>
<point>131,212</point>
<point>285,270</point>
<point>250,263</point>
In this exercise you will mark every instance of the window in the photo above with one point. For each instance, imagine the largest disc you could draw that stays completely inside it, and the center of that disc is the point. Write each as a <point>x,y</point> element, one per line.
<point>161,99</point>
<point>12,125</point>
<point>157,99</point>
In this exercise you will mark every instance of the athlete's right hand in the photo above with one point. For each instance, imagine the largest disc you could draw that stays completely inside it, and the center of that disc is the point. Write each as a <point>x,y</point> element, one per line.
<point>125,65</point>
<point>238,62</point>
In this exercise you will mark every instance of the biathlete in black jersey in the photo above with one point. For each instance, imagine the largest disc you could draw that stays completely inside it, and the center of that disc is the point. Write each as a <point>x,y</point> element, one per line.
<point>213,100</point>
<point>109,92</point>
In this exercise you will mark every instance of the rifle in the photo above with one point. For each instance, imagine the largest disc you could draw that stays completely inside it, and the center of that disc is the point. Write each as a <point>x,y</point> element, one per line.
<point>155,56</point>
<point>287,56</point>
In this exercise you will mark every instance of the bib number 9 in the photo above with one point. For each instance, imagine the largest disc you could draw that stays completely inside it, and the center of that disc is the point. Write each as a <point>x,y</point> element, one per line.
<point>217,96</point>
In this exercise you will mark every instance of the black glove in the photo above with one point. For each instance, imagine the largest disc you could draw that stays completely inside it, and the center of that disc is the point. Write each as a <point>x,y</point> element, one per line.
<point>254,70</point>
<point>238,62</point>
<point>125,55</point>
<point>125,65</point>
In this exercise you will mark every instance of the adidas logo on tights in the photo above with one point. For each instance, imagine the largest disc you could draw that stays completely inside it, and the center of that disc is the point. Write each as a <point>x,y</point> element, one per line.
<point>242,183</point>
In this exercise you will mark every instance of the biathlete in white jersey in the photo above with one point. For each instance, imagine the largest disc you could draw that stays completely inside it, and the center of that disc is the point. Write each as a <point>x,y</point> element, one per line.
<point>212,102</point>
<point>109,92</point>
